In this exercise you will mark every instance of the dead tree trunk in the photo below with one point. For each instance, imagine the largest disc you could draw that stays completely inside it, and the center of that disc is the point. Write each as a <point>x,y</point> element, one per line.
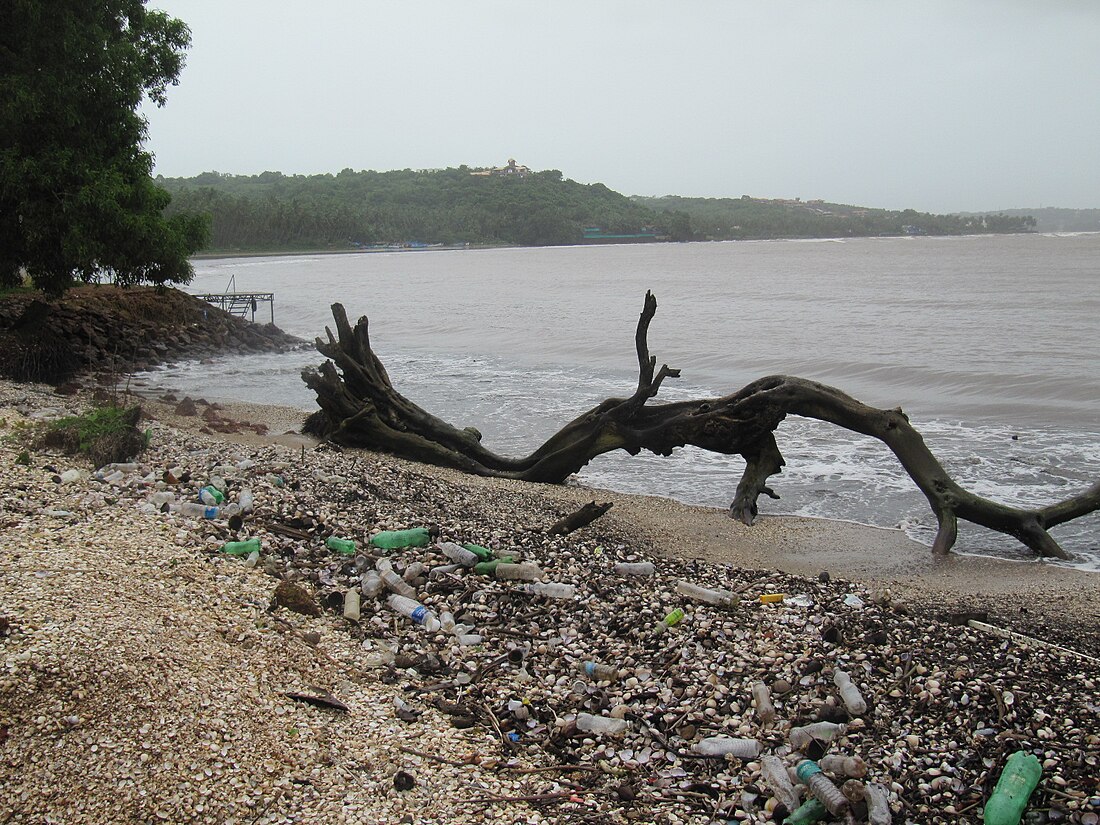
<point>360,408</point>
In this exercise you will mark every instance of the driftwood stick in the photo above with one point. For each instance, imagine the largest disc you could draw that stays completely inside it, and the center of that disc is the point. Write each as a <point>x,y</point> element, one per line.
<point>581,518</point>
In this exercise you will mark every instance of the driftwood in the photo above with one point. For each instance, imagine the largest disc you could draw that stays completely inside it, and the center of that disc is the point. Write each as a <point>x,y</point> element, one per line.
<point>359,407</point>
<point>576,520</point>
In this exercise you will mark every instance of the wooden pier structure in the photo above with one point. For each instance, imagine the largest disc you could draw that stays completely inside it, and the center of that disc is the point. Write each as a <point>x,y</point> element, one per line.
<point>241,303</point>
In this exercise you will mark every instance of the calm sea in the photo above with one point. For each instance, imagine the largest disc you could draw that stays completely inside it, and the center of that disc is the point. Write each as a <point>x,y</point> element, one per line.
<point>988,343</point>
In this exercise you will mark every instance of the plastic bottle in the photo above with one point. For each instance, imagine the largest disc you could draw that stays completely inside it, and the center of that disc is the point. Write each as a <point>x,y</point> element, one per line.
<point>211,496</point>
<point>802,736</point>
<point>218,483</point>
<point>458,554</point>
<point>809,811</point>
<point>194,510</point>
<point>488,568</point>
<point>878,804</point>
<point>840,765</point>
<point>601,724</point>
<point>641,568</point>
<point>351,605</point>
<point>393,539</point>
<point>849,693</point>
<point>599,672</point>
<point>705,594</point>
<point>551,590</point>
<point>415,611</point>
<point>1006,804</point>
<point>765,710</point>
<point>673,618</point>
<point>163,497</point>
<point>779,781</point>
<point>413,571</point>
<point>468,638</point>
<point>441,570</point>
<point>245,500</point>
<point>483,553</point>
<point>822,787</point>
<point>723,745</point>
<point>526,571</point>
<point>397,584</point>
<point>345,547</point>
<point>371,584</point>
<point>447,621</point>
<point>241,548</point>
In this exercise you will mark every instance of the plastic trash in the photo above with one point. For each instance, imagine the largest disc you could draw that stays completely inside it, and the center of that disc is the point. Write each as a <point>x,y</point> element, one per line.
<point>849,693</point>
<point>415,611</point>
<point>878,804</point>
<point>241,548</point>
<point>458,554</point>
<point>1006,804</point>
<point>840,765</point>
<point>245,500</point>
<point>705,594</point>
<point>345,547</point>
<point>253,559</point>
<point>397,584</point>
<point>765,710</point>
<point>673,618</point>
<point>641,568</point>
<point>218,483</point>
<point>413,571</point>
<point>525,571</point>
<point>194,510</point>
<point>382,655</point>
<point>801,600</point>
<point>822,787</point>
<point>852,600</point>
<point>351,605</point>
<point>441,570</point>
<point>447,621</point>
<point>551,590</point>
<point>809,811</point>
<point>393,539</point>
<point>599,672</point>
<point>803,735</point>
<point>483,553</point>
<point>727,745</point>
<point>772,598</point>
<point>371,584</point>
<point>779,781</point>
<point>601,724</point>
<point>469,638</point>
<point>211,496</point>
<point>488,568</point>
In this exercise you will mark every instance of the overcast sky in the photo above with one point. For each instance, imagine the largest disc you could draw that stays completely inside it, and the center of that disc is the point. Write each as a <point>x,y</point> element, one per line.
<point>939,105</point>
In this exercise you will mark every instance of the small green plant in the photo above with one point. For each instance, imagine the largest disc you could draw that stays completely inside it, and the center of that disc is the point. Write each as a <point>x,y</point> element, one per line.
<point>104,434</point>
<point>23,458</point>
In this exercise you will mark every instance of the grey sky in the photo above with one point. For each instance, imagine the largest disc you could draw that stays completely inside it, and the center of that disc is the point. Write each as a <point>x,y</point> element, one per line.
<point>942,105</point>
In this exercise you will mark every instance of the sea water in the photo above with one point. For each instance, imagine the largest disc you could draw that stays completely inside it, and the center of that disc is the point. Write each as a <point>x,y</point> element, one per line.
<point>988,343</point>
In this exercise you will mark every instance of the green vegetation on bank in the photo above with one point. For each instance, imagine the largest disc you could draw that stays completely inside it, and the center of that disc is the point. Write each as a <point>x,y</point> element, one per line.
<point>273,211</point>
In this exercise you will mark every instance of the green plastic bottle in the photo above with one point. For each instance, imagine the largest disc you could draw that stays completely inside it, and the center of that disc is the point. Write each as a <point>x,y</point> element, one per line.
<point>809,811</point>
<point>392,539</point>
<point>241,548</point>
<point>489,568</point>
<point>483,553</point>
<point>345,547</point>
<point>1006,804</point>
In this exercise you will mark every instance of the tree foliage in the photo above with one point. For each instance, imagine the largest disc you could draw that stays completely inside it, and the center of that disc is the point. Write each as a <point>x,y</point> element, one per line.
<point>77,200</point>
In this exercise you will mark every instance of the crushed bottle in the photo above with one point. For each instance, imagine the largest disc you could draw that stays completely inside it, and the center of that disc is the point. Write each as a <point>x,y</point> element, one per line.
<point>610,726</point>
<point>803,735</point>
<point>727,746</point>
<point>551,590</point>
<point>779,781</point>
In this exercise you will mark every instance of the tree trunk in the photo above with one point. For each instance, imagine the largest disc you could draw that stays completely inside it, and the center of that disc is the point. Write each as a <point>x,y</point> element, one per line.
<point>362,409</point>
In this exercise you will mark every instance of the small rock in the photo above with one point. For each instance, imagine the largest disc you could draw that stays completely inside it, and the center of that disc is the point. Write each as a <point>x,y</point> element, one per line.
<point>296,598</point>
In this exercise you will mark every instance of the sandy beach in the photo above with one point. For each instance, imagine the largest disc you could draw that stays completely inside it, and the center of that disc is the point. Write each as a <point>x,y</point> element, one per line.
<point>147,675</point>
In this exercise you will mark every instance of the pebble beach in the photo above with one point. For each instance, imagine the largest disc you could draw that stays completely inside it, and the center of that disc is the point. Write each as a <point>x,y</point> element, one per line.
<point>148,675</point>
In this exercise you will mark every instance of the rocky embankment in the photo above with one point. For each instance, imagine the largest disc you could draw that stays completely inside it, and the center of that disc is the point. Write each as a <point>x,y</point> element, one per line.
<point>111,329</point>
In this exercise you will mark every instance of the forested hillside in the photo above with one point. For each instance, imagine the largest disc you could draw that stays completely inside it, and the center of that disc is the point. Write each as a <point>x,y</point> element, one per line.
<point>1053,219</point>
<point>746,217</point>
<point>272,211</point>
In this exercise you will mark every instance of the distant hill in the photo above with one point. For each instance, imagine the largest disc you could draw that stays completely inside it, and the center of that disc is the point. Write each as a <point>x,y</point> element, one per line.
<point>510,205</point>
<point>1053,219</point>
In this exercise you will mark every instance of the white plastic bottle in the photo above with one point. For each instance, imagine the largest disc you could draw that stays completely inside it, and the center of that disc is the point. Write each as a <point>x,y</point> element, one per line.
<point>849,693</point>
<point>395,583</point>
<point>641,568</point>
<point>723,745</point>
<point>779,781</point>
<point>524,571</point>
<point>245,500</point>
<point>802,736</point>
<point>840,765</point>
<point>371,584</point>
<point>551,590</point>
<point>415,611</point>
<point>765,710</point>
<point>351,605</point>
<point>601,724</point>
<point>190,508</point>
<point>458,554</point>
<point>878,804</point>
<point>706,595</point>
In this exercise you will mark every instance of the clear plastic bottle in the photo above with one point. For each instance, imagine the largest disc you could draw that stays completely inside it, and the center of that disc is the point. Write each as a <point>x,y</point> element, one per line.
<point>727,745</point>
<point>840,765</point>
<point>253,559</point>
<point>211,496</point>
<point>640,568</point>
<point>779,781</point>
<point>525,572</point>
<point>218,483</point>
<point>601,724</point>
<point>194,510</point>
<point>765,710</point>
<point>822,787</point>
<point>245,500</point>
<point>803,735</point>
<point>551,590</point>
<point>371,584</point>
<point>415,611</point>
<point>878,804</point>
<point>458,554</point>
<point>351,605</point>
<point>163,497</point>
<point>467,639</point>
<point>397,584</point>
<point>849,693</point>
<point>413,571</point>
<point>447,621</point>
<point>441,570</point>
<point>599,672</point>
<point>706,595</point>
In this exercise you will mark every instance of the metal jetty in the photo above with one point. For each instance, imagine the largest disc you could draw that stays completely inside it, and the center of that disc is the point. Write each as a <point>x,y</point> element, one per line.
<point>240,303</point>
